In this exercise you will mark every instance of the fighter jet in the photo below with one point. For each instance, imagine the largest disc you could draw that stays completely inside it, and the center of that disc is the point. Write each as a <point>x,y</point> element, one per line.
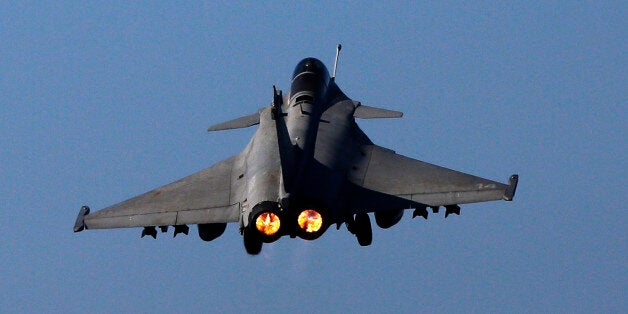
<point>307,167</point>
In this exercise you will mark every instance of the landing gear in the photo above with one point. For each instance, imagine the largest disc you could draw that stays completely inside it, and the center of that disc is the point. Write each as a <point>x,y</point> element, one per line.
<point>362,229</point>
<point>252,243</point>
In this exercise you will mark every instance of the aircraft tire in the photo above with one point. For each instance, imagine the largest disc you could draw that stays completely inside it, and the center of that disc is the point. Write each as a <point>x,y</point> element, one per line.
<point>364,232</point>
<point>252,243</point>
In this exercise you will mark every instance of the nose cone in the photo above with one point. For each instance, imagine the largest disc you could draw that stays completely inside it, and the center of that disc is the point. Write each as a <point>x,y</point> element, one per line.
<point>311,65</point>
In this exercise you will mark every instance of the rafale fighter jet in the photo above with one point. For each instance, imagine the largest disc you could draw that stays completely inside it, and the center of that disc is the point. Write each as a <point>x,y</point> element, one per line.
<point>308,166</point>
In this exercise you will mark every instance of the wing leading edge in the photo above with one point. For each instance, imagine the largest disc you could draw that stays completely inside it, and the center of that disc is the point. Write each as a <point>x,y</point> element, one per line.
<point>384,171</point>
<point>203,197</point>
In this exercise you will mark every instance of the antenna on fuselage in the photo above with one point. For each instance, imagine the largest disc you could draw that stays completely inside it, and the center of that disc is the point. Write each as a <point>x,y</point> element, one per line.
<point>333,76</point>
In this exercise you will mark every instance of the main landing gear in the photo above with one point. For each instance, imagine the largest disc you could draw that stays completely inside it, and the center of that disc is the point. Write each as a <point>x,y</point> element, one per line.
<point>361,228</point>
<point>252,243</point>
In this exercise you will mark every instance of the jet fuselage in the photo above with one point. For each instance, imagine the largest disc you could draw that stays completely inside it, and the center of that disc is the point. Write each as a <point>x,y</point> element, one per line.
<point>307,166</point>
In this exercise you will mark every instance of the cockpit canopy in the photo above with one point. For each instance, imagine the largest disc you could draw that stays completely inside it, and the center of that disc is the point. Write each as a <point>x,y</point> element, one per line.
<point>311,65</point>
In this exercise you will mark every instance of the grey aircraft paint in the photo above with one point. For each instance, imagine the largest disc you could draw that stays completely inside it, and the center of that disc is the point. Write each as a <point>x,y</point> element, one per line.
<point>307,167</point>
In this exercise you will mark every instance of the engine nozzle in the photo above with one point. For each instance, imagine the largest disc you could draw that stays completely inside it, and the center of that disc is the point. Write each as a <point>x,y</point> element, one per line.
<point>310,221</point>
<point>268,223</point>
<point>311,224</point>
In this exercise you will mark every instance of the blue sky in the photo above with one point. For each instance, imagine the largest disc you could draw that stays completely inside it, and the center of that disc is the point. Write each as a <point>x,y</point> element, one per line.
<point>100,102</point>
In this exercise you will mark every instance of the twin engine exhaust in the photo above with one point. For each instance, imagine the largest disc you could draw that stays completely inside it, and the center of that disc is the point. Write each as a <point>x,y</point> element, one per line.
<point>270,222</point>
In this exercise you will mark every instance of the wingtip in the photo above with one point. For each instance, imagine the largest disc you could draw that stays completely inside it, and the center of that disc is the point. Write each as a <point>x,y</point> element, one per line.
<point>509,194</point>
<point>79,224</point>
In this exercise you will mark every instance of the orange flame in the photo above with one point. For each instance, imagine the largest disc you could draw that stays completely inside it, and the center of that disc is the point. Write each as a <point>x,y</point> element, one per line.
<point>310,221</point>
<point>267,223</point>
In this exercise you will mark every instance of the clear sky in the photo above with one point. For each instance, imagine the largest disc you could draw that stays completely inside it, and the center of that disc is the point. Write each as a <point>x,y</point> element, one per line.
<point>100,102</point>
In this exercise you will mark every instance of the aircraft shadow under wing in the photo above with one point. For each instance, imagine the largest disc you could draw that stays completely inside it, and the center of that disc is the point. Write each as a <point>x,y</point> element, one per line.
<point>203,197</point>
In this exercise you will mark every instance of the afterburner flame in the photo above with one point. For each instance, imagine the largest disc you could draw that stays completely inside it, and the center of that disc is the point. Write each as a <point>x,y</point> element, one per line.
<point>267,223</point>
<point>310,220</point>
